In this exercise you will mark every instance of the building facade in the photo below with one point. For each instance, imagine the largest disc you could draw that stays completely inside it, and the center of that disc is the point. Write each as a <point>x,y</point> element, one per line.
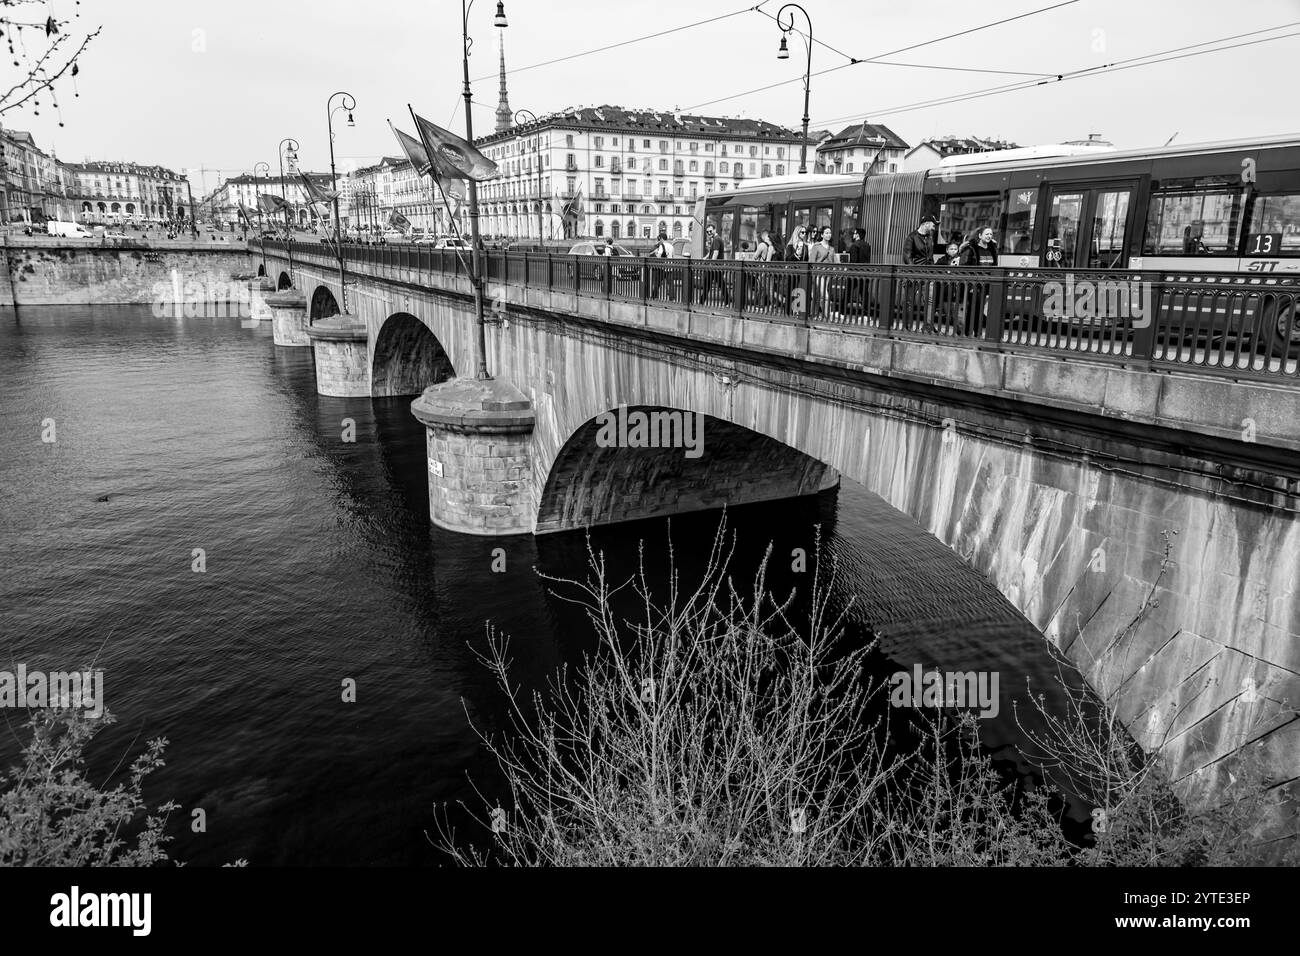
<point>930,152</point>
<point>117,192</point>
<point>222,204</point>
<point>36,186</point>
<point>862,149</point>
<point>616,173</point>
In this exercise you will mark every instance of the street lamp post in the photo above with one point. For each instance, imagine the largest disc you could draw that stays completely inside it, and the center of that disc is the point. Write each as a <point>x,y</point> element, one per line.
<point>481,336</point>
<point>348,104</point>
<point>531,117</point>
<point>261,232</point>
<point>194,226</point>
<point>783,53</point>
<point>284,198</point>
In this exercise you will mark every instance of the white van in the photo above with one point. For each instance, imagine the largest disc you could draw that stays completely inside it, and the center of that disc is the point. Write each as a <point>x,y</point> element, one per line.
<point>67,230</point>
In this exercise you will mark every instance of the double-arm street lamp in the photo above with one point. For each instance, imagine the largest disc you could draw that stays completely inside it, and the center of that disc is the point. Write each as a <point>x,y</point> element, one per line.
<point>500,22</point>
<point>349,104</point>
<point>284,197</point>
<point>783,53</point>
<point>528,116</point>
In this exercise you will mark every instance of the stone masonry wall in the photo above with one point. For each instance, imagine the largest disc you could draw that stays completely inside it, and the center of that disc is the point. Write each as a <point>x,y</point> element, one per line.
<point>91,275</point>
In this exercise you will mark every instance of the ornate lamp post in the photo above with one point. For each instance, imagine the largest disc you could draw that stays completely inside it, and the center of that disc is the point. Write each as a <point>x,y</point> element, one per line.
<point>481,339</point>
<point>284,198</point>
<point>783,53</point>
<point>348,104</point>
<point>530,117</point>
<point>261,234</point>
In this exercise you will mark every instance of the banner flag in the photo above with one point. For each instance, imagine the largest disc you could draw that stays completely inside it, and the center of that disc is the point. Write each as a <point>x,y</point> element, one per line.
<point>452,156</point>
<point>452,187</point>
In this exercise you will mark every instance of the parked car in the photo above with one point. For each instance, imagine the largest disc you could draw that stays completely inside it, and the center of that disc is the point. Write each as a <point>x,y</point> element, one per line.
<point>451,242</point>
<point>615,251</point>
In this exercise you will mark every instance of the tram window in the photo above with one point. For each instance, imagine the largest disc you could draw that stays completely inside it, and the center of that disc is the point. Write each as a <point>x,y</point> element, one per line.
<point>749,225</point>
<point>1190,223</point>
<point>725,231</point>
<point>1109,227</point>
<point>1063,228</point>
<point>802,217</point>
<point>850,219</point>
<point>967,215</point>
<point>1278,217</point>
<point>822,218</point>
<point>1021,214</point>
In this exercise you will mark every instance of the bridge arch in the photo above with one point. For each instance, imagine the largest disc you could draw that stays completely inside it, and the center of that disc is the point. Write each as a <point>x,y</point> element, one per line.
<point>323,304</point>
<point>284,282</point>
<point>608,470</point>
<point>407,358</point>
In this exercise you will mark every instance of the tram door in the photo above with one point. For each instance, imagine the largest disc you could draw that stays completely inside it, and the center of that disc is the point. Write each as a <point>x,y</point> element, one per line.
<point>1089,227</point>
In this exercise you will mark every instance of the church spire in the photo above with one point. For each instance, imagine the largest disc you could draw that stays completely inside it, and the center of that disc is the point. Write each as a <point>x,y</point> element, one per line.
<point>505,118</point>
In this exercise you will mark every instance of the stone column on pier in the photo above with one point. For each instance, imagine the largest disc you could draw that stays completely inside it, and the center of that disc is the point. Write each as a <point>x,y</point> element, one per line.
<point>479,468</point>
<point>288,317</point>
<point>342,357</point>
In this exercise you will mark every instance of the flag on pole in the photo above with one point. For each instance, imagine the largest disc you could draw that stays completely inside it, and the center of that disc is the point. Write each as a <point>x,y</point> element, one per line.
<point>452,156</point>
<point>452,187</point>
<point>271,204</point>
<point>574,206</point>
<point>244,214</point>
<point>314,193</point>
<point>398,221</point>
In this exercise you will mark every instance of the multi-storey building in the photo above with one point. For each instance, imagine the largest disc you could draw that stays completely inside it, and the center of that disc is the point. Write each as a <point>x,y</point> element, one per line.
<point>930,152</point>
<point>391,185</point>
<point>620,173</point>
<point>224,201</point>
<point>862,149</point>
<point>108,192</point>
<point>36,186</point>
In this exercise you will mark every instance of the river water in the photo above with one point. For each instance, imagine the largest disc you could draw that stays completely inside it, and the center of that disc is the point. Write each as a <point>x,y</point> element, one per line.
<point>320,566</point>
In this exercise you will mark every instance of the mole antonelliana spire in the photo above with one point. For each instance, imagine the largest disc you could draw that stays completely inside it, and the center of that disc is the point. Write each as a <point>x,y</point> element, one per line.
<point>505,119</point>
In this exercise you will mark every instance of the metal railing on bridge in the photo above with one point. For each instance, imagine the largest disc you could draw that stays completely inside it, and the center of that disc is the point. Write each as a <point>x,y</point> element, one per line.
<point>1232,324</point>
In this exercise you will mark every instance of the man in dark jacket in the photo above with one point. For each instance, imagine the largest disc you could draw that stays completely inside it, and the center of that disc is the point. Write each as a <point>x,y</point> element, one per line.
<point>859,251</point>
<point>918,250</point>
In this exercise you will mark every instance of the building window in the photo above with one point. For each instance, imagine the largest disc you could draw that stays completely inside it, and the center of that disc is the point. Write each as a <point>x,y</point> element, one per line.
<point>677,230</point>
<point>600,227</point>
<point>663,164</point>
<point>708,147</point>
<point>780,169</point>
<point>694,167</point>
<point>723,168</point>
<point>614,141</point>
<point>753,151</point>
<point>631,228</point>
<point>631,162</point>
<point>893,167</point>
<point>848,168</point>
<point>600,142</point>
<point>780,152</point>
<point>568,140</point>
<point>645,143</point>
<point>767,169</point>
<point>663,146</point>
<point>600,161</point>
<point>708,168</point>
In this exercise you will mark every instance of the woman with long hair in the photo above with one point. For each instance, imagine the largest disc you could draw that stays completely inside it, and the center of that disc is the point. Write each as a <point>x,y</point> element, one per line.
<point>796,250</point>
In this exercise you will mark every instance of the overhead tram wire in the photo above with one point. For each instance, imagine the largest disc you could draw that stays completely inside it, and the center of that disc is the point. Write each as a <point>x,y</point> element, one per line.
<point>1148,59</point>
<point>622,43</point>
<point>875,59</point>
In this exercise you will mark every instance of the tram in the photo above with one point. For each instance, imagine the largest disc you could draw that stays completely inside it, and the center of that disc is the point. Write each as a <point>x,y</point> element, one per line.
<point>1224,207</point>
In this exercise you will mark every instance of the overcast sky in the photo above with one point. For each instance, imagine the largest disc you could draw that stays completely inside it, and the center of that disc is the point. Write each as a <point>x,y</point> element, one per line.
<point>190,84</point>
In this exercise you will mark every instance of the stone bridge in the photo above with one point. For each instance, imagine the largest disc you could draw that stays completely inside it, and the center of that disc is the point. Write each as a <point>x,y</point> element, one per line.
<point>1086,487</point>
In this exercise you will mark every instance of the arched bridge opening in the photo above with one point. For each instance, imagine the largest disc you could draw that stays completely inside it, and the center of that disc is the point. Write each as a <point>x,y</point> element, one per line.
<point>407,358</point>
<point>284,282</point>
<point>640,462</point>
<point>323,304</point>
